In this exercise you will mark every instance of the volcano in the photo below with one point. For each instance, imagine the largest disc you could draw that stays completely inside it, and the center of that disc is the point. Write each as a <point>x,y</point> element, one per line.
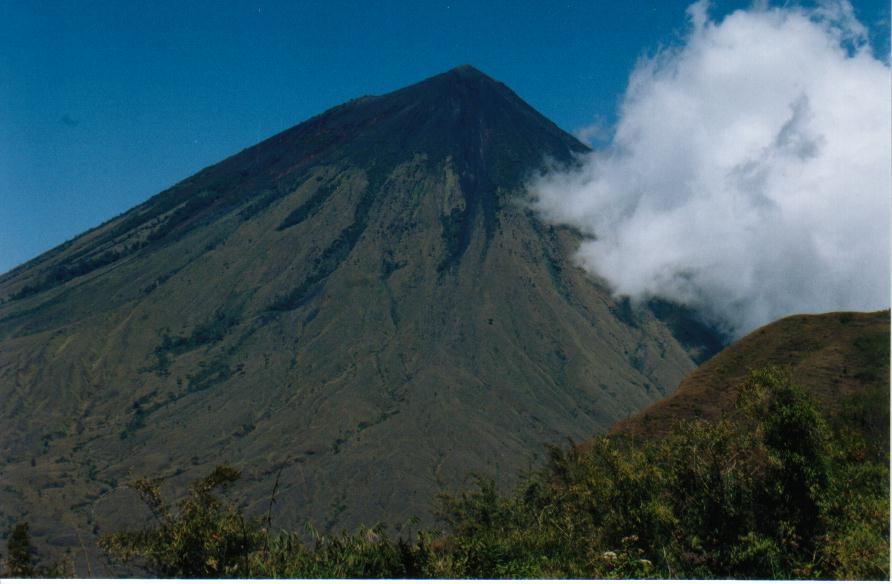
<point>361,308</point>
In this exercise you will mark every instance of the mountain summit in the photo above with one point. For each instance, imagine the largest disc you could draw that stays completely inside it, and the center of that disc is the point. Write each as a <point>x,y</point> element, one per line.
<point>360,306</point>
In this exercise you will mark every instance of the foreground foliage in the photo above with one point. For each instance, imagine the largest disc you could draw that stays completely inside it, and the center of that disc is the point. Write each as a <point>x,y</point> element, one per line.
<point>21,560</point>
<point>769,491</point>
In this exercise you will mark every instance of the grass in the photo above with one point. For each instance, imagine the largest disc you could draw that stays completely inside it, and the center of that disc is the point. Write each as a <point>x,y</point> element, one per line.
<point>836,356</point>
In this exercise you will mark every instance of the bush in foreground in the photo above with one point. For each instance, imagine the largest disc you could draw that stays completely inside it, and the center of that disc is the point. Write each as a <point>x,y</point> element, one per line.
<point>20,559</point>
<point>769,491</point>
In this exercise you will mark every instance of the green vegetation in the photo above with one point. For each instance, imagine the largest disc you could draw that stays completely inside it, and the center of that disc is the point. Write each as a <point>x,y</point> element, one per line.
<point>211,331</point>
<point>209,375</point>
<point>65,272</point>
<point>310,207</point>
<point>771,490</point>
<point>260,202</point>
<point>201,201</point>
<point>873,352</point>
<point>455,237</point>
<point>329,259</point>
<point>207,538</point>
<point>21,561</point>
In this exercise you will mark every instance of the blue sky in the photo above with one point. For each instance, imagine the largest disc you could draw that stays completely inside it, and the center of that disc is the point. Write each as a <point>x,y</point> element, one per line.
<point>103,104</point>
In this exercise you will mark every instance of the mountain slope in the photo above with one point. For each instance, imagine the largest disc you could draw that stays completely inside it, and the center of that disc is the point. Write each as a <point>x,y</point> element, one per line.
<point>359,306</point>
<point>839,358</point>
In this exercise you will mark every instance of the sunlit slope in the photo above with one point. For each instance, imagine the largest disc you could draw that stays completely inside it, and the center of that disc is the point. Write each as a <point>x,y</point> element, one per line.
<point>839,358</point>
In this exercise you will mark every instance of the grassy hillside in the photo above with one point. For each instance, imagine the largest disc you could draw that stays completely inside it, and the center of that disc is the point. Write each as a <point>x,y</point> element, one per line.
<point>839,358</point>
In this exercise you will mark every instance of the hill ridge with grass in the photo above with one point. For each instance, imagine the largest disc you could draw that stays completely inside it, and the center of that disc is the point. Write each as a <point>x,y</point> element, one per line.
<point>837,357</point>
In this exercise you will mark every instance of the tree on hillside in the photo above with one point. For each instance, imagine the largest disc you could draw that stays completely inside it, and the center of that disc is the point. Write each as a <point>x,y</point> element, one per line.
<point>20,551</point>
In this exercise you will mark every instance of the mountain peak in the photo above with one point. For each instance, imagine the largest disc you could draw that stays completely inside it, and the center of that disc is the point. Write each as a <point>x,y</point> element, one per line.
<point>443,88</point>
<point>492,139</point>
<point>470,74</point>
<point>461,114</point>
<point>467,71</point>
<point>465,68</point>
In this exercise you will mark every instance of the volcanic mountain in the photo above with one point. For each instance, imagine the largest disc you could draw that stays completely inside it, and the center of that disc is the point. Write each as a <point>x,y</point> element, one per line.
<point>361,307</point>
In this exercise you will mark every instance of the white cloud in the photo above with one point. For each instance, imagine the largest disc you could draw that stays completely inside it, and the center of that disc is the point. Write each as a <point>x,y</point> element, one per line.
<point>749,173</point>
<point>594,134</point>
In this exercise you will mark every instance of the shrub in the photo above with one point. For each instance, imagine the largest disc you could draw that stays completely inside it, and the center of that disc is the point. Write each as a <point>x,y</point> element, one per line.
<point>205,538</point>
<point>768,491</point>
<point>21,561</point>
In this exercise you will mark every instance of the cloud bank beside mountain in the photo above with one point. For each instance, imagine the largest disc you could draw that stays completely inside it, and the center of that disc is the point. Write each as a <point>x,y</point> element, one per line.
<point>748,175</point>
